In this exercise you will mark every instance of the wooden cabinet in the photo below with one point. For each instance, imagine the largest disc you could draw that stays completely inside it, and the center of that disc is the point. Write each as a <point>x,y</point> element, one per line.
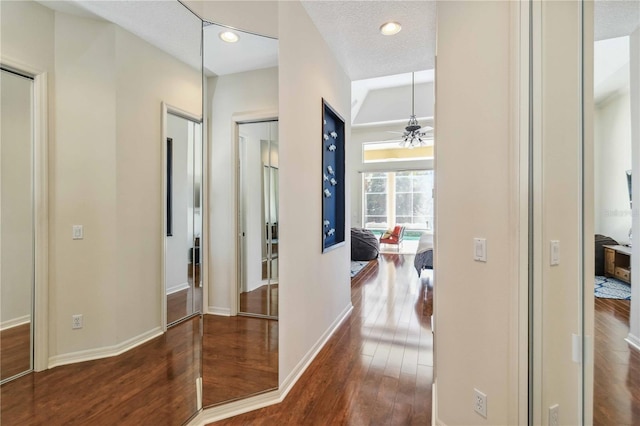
<point>617,262</point>
<point>609,261</point>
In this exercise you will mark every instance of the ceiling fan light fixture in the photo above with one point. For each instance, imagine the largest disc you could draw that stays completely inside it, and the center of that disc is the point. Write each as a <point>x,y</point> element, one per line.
<point>228,36</point>
<point>390,28</point>
<point>414,133</point>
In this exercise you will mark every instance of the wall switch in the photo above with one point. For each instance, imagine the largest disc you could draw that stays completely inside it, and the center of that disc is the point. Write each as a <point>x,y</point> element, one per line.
<point>76,321</point>
<point>480,403</point>
<point>555,252</point>
<point>78,232</point>
<point>554,415</point>
<point>480,249</point>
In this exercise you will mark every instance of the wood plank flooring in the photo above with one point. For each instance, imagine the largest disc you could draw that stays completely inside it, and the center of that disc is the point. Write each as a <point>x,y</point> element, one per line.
<point>15,350</point>
<point>255,301</point>
<point>616,367</point>
<point>181,304</point>
<point>152,384</point>
<point>240,357</point>
<point>378,367</point>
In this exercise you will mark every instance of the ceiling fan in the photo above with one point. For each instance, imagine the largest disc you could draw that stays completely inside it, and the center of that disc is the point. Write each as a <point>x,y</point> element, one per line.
<point>414,134</point>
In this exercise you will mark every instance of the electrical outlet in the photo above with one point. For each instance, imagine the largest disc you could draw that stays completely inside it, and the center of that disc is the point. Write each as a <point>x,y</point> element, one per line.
<point>554,415</point>
<point>480,403</point>
<point>76,321</point>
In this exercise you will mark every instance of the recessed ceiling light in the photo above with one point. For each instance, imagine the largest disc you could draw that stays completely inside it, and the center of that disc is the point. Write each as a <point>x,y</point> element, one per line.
<point>229,36</point>
<point>390,28</point>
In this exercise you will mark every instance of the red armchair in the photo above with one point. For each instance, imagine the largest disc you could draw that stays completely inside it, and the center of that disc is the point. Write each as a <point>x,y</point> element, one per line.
<point>393,237</point>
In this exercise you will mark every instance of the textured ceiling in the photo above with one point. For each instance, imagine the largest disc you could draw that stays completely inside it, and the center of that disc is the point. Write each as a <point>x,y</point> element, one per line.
<point>351,29</point>
<point>250,52</point>
<point>616,18</point>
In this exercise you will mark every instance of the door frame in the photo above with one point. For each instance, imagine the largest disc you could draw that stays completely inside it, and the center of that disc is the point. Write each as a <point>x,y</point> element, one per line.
<point>236,120</point>
<point>204,211</point>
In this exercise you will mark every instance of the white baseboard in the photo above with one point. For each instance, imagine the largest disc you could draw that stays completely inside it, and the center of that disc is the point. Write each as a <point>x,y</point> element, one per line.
<point>292,378</point>
<point>105,352</point>
<point>177,288</point>
<point>216,310</point>
<point>235,408</point>
<point>210,415</point>
<point>14,322</point>
<point>633,341</point>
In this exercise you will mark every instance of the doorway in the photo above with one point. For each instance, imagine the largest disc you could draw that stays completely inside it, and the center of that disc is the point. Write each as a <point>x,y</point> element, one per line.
<point>258,219</point>
<point>183,212</point>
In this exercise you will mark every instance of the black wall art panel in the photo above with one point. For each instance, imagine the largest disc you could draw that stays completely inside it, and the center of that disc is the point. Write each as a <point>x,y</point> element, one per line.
<point>333,175</point>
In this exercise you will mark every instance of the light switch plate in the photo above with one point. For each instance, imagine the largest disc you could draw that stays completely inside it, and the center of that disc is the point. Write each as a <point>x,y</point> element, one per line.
<point>480,249</point>
<point>78,232</point>
<point>555,252</point>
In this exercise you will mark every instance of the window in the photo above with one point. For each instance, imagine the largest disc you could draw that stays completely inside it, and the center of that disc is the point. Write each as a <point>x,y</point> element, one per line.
<point>398,198</point>
<point>375,199</point>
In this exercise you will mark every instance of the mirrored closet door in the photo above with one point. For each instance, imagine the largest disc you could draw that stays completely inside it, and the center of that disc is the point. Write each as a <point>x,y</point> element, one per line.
<point>17,226</point>
<point>258,219</point>
<point>183,277</point>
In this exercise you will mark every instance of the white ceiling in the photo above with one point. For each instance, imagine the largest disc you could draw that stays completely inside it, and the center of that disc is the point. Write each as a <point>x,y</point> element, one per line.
<point>250,52</point>
<point>615,18</point>
<point>351,29</point>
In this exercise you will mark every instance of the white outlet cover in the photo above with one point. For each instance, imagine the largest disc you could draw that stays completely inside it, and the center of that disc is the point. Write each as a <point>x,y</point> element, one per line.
<point>480,403</point>
<point>77,232</point>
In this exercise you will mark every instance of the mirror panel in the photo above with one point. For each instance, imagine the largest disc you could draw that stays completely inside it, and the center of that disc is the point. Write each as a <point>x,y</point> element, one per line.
<point>240,353</point>
<point>183,280</point>
<point>17,227</point>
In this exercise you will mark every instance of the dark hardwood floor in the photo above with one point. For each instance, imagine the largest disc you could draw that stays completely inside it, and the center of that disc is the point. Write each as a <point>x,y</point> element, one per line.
<point>378,367</point>
<point>240,357</point>
<point>255,301</point>
<point>616,393</point>
<point>152,384</point>
<point>181,303</point>
<point>15,350</point>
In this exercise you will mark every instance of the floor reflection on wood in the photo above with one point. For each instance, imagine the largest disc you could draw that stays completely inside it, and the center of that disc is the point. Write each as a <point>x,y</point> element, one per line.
<point>15,350</point>
<point>240,357</point>
<point>378,367</point>
<point>255,302</point>
<point>152,384</point>
<point>616,393</point>
<point>181,304</point>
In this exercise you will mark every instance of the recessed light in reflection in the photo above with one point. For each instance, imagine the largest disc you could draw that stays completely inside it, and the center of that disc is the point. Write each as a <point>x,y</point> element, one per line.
<point>390,28</point>
<point>229,36</point>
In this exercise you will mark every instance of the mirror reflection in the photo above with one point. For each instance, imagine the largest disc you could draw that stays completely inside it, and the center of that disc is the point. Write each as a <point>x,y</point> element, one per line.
<point>16,283</point>
<point>258,218</point>
<point>240,342</point>
<point>183,277</point>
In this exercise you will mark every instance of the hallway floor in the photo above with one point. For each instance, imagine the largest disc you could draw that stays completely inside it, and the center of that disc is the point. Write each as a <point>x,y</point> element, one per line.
<point>378,366</point>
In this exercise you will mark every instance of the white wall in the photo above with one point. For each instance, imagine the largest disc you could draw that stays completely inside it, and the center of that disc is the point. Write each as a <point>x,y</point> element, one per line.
<point>228,95</point>
<point>476,196</point>
<point>179,243</point>
<point>16,226</point>
<point>356,166</point>
<point>314,287</point>
<point>612,130</point>
<point>27,29</point>
<point>83,273</point>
